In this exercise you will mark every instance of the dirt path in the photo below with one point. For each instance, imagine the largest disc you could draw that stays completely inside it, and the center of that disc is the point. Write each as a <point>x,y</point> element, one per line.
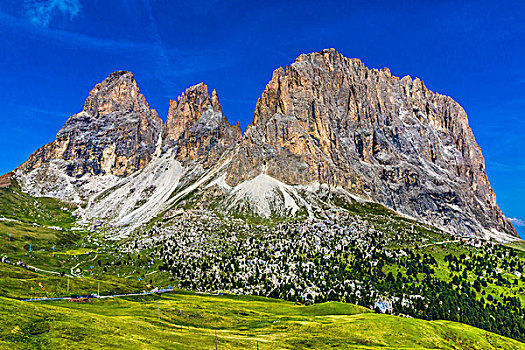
<point>82,262</point>
<point>47,271</point>
<point>159,291</point>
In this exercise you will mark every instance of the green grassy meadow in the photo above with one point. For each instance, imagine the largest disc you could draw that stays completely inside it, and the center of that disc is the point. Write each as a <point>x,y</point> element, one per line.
<point>154,322</point>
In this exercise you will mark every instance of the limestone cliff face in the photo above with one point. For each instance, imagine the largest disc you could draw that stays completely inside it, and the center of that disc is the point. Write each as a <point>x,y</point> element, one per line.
<point>116,132</point>
<point>329,119</point>
<point>197,128</point>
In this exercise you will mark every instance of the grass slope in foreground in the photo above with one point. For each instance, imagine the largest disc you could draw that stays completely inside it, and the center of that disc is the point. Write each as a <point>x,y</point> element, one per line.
<point>134,323</point>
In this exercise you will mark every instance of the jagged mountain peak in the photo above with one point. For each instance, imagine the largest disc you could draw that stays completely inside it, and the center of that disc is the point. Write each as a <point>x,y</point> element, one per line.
<point>215,101</point>
<point>328,58</point>
<point>195,94</point>
<point>186,110</point>
<point>330,119</point>
<point>115,134</point>
<point>197,127</point>
<point>118,92</point>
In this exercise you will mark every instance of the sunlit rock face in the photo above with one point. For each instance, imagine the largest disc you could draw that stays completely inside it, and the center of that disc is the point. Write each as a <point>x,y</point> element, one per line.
<point>115,133</point>
<point>330,119</point>
<point>325,119</point>
<point>197,128</point>
<point>120,161</point>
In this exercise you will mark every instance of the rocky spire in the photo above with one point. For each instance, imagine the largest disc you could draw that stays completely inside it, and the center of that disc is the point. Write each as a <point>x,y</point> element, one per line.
<point>186,111</point>
<point>116,133</point>
<point>215,102</point>
<point>197,127</point>
<point>118,92</point>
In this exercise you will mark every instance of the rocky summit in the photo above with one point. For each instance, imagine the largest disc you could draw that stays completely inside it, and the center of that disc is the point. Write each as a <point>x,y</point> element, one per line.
<point>115,133</point>
<point>324,124</point>
<point>197,128</point>
<point>330,119</point>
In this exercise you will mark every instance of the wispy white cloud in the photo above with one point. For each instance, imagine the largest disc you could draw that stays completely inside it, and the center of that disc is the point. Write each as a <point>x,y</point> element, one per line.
<point>40,13</point>
<point>168,63</point>
<point>72,39</point>
<point>517,222</point>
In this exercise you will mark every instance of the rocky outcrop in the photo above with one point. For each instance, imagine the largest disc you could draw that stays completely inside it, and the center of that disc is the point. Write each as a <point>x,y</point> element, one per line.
<point>197,128</point>
<point>330,119</point>
<point>116,132</point>
<point>6,180</point>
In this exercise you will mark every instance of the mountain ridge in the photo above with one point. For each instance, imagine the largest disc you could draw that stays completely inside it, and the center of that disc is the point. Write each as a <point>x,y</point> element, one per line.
<point>324,119</point>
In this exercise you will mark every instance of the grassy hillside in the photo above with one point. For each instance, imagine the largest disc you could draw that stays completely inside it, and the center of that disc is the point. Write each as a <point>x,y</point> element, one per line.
<point>366,255</point>
<point>44,211</point>
<point>153,322</point>
<point>133,322</point>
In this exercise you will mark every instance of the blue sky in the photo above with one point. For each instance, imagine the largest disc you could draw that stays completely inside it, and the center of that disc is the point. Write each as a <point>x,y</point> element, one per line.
<point>55,51</point>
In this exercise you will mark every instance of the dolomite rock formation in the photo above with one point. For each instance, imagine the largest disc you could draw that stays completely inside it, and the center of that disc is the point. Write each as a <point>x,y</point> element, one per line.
<point>330,119</point>
<point>325,119</point>
<point>197,128</point>
<point>116,132</point>
<point>117,137</point>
